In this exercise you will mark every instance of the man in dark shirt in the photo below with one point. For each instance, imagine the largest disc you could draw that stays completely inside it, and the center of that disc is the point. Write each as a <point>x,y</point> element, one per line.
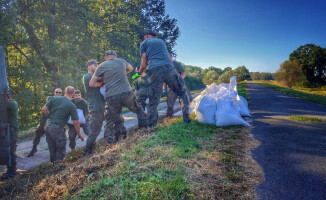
<point>58,110</point>
<point>81,104</point>
<point>40,127</point>
<point>96,105</point>
<point>141,89</point>
<point>155,54</point>
<point>118,93</point>
<point>12,114</point>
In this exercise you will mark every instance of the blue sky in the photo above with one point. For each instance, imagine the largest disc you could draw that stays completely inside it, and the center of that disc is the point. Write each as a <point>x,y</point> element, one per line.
<point>259,34</point>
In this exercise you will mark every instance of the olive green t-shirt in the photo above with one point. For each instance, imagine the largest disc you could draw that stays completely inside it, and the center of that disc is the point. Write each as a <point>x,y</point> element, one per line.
<point>49,98</point>
<point>82,105</point>
<point>142,86</point>
<point>60,109</point>
<point>12,114</point>
<point>95,100</point>
<point>114,75</point>
<point>178,67</point>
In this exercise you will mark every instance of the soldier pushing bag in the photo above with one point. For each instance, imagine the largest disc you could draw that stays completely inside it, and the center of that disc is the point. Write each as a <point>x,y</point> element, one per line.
<point>154,52</point>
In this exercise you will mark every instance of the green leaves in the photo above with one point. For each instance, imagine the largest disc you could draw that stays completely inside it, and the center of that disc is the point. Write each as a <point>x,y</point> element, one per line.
<point>47,43</point>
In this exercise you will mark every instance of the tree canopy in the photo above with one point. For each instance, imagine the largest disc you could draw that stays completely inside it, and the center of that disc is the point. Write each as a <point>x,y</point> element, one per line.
<point>47,43</point>
<point>312,60</point>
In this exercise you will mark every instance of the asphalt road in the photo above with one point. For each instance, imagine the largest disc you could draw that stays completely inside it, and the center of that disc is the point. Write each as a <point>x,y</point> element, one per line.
<point>292,154</point>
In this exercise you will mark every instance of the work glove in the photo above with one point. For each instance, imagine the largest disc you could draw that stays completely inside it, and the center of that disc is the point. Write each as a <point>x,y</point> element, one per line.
<point>135,76</point>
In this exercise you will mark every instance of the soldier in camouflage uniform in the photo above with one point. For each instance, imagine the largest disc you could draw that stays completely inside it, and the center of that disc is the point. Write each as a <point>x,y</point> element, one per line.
<point>12,114</point>
<point>40,127</point>
<point>172,96</point>
<point>154,53</point>
<point>96,107</point>
<point>81,104</point>
<point>118,93</point>
<point>58,110</point>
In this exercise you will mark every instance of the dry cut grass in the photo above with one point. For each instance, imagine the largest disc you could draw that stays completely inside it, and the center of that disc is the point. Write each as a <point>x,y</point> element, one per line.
<point>178,161</point>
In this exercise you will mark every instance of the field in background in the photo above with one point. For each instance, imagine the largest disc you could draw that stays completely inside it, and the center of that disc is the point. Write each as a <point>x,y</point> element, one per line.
<point>316,95</point>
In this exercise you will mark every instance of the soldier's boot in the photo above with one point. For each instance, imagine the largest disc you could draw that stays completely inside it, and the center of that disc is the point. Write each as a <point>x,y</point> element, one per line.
<point>142,118</point>
<point>34,150</point>
<point>186,118</point>
<point>124,134</point>
<point>8,175</point>
<point>89,150</point>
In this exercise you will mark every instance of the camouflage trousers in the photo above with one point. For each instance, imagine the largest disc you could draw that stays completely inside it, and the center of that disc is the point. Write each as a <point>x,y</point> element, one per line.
<point>56,139</point>
<point>72,133</point>
<point>39,131</point>
<point>95,119</point>
<point>170,100</point>
<point>156,77</point>
<point>13,146</point>
<point>114,109</point>
<point>142,101</point>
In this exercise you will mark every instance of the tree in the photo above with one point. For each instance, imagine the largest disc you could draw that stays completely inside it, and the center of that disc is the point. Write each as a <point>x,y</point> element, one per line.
<point>227,69</point>
<point>48,43</point>
<point>242,73</point>
<point>290,73</point>
<point>266,76</point>
<point>225,77</point>
<point>312,59</point>
<point>211,77</point>
<point>256,76</point>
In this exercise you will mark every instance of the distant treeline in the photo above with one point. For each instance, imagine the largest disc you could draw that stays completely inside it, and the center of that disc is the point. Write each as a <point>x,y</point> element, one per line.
<point>305,67</point>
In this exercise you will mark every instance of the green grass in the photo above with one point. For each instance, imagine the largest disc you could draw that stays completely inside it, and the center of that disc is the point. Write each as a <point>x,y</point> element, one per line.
<point>242,89</point>
<point>305,118</point>
<point>155,168</point>
<point>319,99</point>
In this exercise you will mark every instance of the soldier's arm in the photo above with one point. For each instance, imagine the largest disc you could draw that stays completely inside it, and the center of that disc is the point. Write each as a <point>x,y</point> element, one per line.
<point>45,110</point>
<point>93,82</point>
<point>183,75</point>
<point>129,69</point>
<point>76,125</point>
<point>143,64</point>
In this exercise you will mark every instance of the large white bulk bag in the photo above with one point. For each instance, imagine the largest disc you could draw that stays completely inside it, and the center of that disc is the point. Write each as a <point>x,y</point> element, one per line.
<point>243,100</point>
<point>80,116</point>
<point>206,110</point>
<point>227,115</point>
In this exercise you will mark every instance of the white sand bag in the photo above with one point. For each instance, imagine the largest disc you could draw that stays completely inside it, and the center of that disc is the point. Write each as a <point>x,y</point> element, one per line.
<point>243,100</point>
<point>195,103</point>
<point>80,116</point>
<point>206,110</point>
<point>227,115</point>
<point>241,107</point>
<point>102,90</point>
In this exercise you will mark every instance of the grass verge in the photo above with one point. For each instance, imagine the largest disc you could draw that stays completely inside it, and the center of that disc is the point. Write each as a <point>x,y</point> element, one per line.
<point>305,118</point>
<point>178,161</point>
<point>242,89</point>
<point>319,99</point>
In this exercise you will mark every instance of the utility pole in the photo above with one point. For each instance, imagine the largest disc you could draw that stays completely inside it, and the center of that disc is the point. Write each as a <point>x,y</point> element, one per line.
<point>4,125</point>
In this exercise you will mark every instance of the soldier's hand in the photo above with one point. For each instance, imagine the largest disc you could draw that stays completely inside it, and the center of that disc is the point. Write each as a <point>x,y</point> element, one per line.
<point>80,136</point>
